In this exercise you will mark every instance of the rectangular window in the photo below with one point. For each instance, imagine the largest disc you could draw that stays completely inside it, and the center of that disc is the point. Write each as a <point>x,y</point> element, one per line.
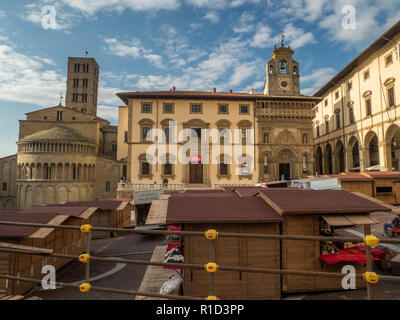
<point>108,187</point>
<point>326,127</point>
<point>389,60</point>
<point>76,83</point>
<point>318,131</point>
<point>351,115</point>
<point>168,108</point>
<point>84,97</point>
<point>85,83</point>
<point>195,108</point>
<point>337,95</point>
<point>223,108</point>
<point>145,168</point>
<point>368,107</point>
<point>384,190</point>
<point>223,169</point>
<point>349,85</point>
<point>77,67</point>
<point>338,120</point>
<point>244,110</point>
<point>114,147</point>
<point>166,132</point>
<point>326,102</point>
<point>167,169</point>
<point>126,136</point>
<point>266,137</point>
<point>145,130</point>
<point>146,107</point>
<point>59,116</point>
<point>366,75</point>
<point>391,97</point>
<point>4,186</point>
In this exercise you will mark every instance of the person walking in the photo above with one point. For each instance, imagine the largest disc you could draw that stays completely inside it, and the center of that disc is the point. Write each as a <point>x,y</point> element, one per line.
<point>395,223</point>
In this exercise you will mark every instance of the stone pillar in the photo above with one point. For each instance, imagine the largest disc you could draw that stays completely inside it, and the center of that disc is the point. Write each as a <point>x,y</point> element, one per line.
<point>383,163</point>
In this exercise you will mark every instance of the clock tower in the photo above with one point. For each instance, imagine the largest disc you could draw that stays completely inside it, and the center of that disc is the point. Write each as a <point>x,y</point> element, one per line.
<point>282,73</point>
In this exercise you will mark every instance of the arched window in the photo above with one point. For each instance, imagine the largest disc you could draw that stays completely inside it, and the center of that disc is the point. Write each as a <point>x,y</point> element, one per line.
<point>295,70</point>
<point>283,66</point>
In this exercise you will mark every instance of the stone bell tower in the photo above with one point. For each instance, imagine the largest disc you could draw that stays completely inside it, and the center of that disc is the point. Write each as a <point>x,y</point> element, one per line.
<point>282,72</point>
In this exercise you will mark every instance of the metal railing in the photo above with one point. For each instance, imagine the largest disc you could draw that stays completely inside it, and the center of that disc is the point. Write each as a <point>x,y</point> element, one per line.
<point>211,267</point>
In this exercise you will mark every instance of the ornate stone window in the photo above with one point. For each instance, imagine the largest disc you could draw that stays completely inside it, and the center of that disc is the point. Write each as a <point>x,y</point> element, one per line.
<point>168,168</point>
<point>389,84</point>
<point>168,107</point>
<point>144,167</point>
<point>244,109</point>
<point>223,127</point>
<point>145,126</point>
<point>388,59</point>
<point>196,108</point>
<point>367,102</point>
<point>223,166</point>
<point>147,107</point>
<point>223,108</point>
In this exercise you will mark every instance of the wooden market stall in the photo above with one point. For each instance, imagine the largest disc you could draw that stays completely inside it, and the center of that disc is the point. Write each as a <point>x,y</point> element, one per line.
<point>109,213</point>
<point>53,239</point>
<point>228,214</point>
<point>386,185</point>
<point>306,212</point>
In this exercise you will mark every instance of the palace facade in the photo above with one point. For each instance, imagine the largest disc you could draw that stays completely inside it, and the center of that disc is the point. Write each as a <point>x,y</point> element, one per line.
<point>357,123</point>
<point>279,120</point>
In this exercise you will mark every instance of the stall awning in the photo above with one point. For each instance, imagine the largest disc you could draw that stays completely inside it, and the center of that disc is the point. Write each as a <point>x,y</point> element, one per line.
<point>349,220</point>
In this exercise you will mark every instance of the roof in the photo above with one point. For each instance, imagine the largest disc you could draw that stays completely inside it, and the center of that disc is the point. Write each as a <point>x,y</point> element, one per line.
<point>64,108</point>
<point>382,174</point>
<point>319,201</point>
<point>125,96</point>
<point>203,190</point>
<point>375,46</point>
<point>204,195</point>
<point>219,210</point>
<point>113,129</point>
<point>58,133</point>
<point>247,191</point>
<point>103,204</point>
<point>7,231</point>
<point>55,209</point>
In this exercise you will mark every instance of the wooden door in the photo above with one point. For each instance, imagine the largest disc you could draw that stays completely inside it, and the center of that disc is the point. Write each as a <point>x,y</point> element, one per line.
<point>195,173</point>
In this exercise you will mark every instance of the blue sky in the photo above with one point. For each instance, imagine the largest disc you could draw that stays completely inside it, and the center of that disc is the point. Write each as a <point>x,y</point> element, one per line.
<point>157,44</point>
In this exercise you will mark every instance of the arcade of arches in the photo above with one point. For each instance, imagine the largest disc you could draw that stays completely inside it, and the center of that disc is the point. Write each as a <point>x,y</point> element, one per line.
<point>359,153</point>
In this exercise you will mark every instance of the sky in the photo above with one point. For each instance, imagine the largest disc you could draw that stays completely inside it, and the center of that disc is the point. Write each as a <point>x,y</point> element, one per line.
<point>149,45</point>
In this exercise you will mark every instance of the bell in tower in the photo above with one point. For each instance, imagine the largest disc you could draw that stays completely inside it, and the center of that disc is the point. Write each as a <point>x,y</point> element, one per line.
<point>285,79</point>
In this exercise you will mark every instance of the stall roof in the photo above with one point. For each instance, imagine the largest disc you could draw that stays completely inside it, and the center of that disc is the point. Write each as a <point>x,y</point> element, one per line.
<point>382,174</point>
<point>349,220</point>
<point>7,231</point>
<point>205,195</point>
<point>203,190</point>
<point>247,191</point>
<point>219,210</point>
<point>318,201</point>
<point>81,212</point>
<point>103,204</point>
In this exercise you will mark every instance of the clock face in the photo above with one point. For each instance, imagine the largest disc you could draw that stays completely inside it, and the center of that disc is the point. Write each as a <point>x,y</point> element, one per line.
<point>284,84</point>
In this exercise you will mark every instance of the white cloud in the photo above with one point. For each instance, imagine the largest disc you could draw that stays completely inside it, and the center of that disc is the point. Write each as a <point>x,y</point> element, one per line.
<point>28,79</point>
<point>245,23</point>
<point>297,37</point>
<point>109,113</point>
<point>317,79</point>
<point>263,37</point>
<point>92,6</point>
<point>212,16</point>
<point>2,14</point>
<point>133,49</point>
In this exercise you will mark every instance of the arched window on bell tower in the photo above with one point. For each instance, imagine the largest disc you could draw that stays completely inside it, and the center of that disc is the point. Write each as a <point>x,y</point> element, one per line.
<point>283,66</point>
<point>271,69</point>
<point>295,70</point>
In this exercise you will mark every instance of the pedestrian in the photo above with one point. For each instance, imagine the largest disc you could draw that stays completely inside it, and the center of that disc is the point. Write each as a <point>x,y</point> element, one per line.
<point>165,183</point>
<point>395,223</point>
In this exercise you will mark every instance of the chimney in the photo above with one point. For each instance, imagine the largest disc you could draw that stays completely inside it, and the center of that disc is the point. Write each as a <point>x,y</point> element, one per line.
<point>252,91</point>
<point>230,90</point>
<point>215,90</point>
